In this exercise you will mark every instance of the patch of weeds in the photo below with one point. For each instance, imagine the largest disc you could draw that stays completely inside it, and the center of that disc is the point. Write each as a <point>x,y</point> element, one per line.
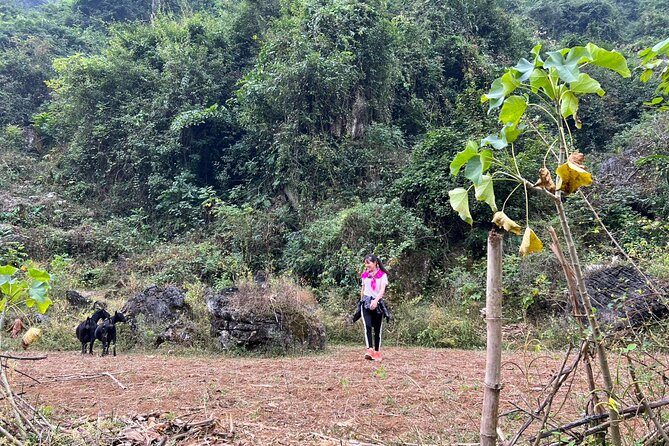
<point>389,401</point>
<point>381,372</point>
<point>448,395</point>
<point>344,383</point>
<point>254,415</point>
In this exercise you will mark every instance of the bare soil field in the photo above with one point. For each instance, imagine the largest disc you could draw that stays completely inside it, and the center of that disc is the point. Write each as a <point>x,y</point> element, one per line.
<point>414,396</point>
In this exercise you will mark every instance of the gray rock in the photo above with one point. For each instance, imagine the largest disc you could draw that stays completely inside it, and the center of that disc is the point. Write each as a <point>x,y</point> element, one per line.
<point>282,329</point>
<point>77,300</point>
<point>158,306</point>
<point>162,310</point>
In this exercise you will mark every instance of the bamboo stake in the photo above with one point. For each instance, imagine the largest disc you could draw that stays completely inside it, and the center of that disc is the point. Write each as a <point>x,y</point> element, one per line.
<point>492,385</point>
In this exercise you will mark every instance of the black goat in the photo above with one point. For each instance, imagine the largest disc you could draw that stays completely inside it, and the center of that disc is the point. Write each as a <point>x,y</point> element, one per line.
<point>86,330</point>
<point>106,332</point>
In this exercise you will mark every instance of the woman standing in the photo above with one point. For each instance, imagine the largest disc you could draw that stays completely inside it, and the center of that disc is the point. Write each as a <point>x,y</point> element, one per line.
<point>374,283</point>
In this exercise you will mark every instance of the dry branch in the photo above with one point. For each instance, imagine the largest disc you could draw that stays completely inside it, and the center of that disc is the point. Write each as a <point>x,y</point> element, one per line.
<point>626,413</point>
<point>557,381</point>
<point>23,358</point>
<point>83,377</point>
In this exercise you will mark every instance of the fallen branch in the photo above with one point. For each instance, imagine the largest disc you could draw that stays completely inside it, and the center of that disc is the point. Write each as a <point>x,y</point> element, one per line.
<point>81,377</point>
<point>13,439</point>
<point>557,381</point>
<point>626,413</point>
<point>24,358</point>
<point>115,380</point>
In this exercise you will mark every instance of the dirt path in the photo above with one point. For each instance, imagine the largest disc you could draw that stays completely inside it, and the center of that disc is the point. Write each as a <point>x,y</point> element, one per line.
<point>419,396</point>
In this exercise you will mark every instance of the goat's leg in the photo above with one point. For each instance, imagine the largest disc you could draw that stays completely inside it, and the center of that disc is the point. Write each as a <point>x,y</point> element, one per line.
<point>114,348</point>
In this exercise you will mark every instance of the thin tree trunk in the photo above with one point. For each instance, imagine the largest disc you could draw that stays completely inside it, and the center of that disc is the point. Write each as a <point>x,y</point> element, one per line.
<point>492,385</point>
<point>596,335</point>
<point>580,318</point>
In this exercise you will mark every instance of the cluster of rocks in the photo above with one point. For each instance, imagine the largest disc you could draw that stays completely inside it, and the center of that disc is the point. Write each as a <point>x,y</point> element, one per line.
<point>283,328</point>
<point>166,313</point>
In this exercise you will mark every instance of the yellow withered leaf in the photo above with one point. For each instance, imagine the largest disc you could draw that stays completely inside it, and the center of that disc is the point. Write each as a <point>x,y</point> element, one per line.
<point>571,177</point>
<point>545,181</point>
<point>31,336</point>
<point>530,243</point>
<point>577,158</point>
<point>503,221</point>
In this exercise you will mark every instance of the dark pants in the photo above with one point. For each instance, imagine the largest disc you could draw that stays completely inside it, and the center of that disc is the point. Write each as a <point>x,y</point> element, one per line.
<point>373,321</point>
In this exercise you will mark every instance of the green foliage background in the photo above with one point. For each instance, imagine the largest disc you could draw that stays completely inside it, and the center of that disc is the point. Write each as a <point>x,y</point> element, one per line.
<point>206,142</point>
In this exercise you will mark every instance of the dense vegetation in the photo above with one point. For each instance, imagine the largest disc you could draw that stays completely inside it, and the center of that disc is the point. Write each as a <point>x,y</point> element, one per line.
<point>202,141</point>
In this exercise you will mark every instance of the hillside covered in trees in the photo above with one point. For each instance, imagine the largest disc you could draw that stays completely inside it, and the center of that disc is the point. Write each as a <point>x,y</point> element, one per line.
<point>198,142</point>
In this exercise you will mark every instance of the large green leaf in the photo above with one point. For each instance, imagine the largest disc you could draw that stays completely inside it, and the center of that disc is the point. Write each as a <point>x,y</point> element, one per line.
<point>512,110</point>
<point>525,68</point>
<point>38,295</point>
<point>567,69</point>
<point>461,158</point>
<point>3,303</point>
<point>38,274</point>
<point>661,47</point>
<point>586,84</point>
<point>459,200</point>
<point>536,52</point>
<point>484,191</point>
<point>474,169</point>
<point>539,80</point>
<point>13,288</point>
<point>646,75</point>
<point>486,159</point>
<point>509,134</point>
<point>568,104</point>
<point>496,141</point>
<point>608,59</point>
<point>501,88</point>
<point>6,273</point>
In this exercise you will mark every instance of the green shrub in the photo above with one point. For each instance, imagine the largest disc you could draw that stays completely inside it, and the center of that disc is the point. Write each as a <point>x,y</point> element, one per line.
<point>13,253</point>
<point>429,325</point>
<point>207,262</point>
<point>12,139</point>
<point>337,308</point>
<point>329,251</point>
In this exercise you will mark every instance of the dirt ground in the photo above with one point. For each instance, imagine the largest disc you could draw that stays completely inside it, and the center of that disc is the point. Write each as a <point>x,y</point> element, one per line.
<point>414,396</point>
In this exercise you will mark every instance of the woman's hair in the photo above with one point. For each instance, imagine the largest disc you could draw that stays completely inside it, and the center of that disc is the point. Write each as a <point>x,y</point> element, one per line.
<point>377,260</point>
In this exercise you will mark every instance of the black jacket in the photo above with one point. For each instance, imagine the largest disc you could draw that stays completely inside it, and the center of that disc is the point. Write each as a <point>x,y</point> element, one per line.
<point>382,307</point>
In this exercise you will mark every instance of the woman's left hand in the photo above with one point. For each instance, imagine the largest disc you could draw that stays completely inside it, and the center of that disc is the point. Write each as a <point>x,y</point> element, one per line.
<point>373,304</point>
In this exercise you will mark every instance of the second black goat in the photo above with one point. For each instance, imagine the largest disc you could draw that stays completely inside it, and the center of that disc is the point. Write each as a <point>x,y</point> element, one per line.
<point>86,330</point>
<point>106,332</point>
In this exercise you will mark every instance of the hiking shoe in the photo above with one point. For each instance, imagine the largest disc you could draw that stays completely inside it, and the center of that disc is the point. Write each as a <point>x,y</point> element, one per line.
<point>369,354</point>
<point>376,356</point>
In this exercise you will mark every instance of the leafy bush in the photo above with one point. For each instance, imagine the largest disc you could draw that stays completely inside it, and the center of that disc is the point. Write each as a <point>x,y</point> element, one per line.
<point>207,262</point>
<point>421,323</point>
<point>329,251</point>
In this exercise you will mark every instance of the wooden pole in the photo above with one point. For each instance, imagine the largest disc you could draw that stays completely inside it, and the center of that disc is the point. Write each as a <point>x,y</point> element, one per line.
<point>493,316</point>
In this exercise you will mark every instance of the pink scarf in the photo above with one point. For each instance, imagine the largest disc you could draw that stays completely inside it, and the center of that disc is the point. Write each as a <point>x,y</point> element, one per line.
<point>378,275</point>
